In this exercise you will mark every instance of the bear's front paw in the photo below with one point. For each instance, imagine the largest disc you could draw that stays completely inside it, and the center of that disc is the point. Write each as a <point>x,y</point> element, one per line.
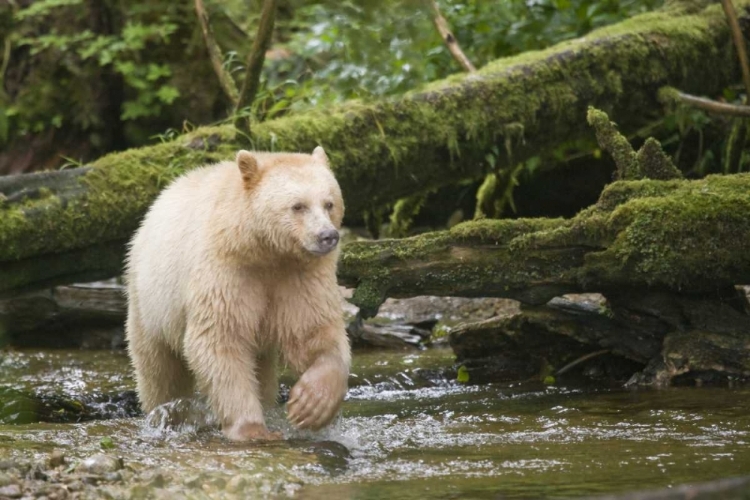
<point>316,397</point>
<point>250,431</point>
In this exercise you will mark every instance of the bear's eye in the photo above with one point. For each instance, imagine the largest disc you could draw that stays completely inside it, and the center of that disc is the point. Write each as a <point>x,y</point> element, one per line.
<point>298,207</point>
<point>328,205</point>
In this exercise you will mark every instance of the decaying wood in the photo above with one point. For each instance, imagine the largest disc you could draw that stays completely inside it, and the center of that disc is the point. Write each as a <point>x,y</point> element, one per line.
<point>85,315</point>
<point>647,338</point>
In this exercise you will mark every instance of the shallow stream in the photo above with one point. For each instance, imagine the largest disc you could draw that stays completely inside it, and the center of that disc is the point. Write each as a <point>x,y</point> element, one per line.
<point>406,432</point>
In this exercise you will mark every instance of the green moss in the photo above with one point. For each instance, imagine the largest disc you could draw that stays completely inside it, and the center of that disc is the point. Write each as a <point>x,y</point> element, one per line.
<point>368,296</point>
<point>431,137</point>
<point>485,198</point>
<point>653,163</point>
<point>687,236</point>
<point>615,144</point>
<point>403,214</point>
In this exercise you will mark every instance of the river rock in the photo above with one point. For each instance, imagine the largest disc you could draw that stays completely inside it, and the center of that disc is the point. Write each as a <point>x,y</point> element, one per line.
<point>100,464</point>
<point>11,491</point>
<point>56,459</point>
<point>5,479</point>
<point>236,484</point>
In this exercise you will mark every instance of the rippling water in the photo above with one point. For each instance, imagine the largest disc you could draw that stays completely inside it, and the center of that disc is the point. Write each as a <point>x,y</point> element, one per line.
<point>407,432</point>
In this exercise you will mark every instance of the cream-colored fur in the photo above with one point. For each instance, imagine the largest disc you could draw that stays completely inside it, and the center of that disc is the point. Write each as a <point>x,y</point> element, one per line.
<point>225,274</point>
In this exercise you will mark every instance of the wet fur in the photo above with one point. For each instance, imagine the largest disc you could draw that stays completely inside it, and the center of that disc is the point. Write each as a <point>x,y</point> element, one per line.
<point>221,283</point>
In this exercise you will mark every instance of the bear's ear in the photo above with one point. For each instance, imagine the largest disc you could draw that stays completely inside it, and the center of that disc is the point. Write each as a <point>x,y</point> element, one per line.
<point>320,156</point>
<point>248,168</point>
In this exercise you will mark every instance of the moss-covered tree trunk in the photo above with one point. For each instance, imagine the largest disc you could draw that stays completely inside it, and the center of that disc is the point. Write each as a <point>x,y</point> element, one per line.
<point>384,151</point>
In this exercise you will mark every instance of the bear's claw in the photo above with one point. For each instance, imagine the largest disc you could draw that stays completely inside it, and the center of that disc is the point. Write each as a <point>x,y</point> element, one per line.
<point>316,397</point>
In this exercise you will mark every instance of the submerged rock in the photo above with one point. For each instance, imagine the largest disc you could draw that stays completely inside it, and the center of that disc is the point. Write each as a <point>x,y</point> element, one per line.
<point>100,464</point>
<point>10,491</point>
<point>56,459</point>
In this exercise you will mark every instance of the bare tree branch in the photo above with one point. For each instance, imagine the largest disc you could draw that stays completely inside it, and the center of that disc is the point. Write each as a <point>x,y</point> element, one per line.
<point>214,53</point>
<point>739,42</point>
<point>709,105</point>
<point>255,61</point>
<point>450,41</point>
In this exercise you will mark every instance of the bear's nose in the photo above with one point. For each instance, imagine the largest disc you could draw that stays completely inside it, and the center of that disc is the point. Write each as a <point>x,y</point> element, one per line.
<point>328,239</point>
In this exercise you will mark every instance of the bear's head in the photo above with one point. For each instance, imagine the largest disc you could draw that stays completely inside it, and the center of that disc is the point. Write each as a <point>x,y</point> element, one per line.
<point>295,204</point>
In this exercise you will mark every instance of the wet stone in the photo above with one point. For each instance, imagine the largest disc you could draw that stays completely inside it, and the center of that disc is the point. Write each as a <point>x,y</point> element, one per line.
<point>154,479</point>
<point>236,484</point>
<point>75,485</point>
<point>92,480</point>
<point>38,472</point>
<point>113,477</point>
<point>11,491</point>
<point>193,481</point>
<point>6,479</point>
<point>8,464</point>
<point>100,464</point>
<point>138,491</point>
<point>56,459</point>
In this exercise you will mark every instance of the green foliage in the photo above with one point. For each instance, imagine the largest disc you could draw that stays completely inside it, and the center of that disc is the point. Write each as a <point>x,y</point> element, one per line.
<point>325,51</point>
<point>355,49</point>
<point>703,144</point>
<point>71,54</point>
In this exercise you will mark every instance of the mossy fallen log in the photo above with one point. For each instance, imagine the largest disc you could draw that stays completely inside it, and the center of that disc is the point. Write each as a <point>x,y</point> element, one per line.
<point>688,237</point>
<point>384,151</point>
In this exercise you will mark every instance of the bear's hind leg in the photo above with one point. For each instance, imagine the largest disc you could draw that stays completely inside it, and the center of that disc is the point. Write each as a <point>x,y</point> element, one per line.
<point>268,378</point>
<point>161,375</point>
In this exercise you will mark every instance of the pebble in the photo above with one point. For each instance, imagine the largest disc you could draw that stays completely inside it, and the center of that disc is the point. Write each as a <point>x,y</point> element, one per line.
<point>193,481</point>
<point>76,485</point>
<point>5,479</point>
<point>153,478</point>
<point>8,464</point>
<point>56,459</point>
<point>10,491</point>
<point>100,464</point>
<point>113,477</point>
<point>236,484</point>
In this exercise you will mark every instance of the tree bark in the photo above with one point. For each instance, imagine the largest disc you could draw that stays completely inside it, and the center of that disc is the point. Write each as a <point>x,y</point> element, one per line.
<point>387,150</point>
<point>214,53</point>
<point>254,65</point>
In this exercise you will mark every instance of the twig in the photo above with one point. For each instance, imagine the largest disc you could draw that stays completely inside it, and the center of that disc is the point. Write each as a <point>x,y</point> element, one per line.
<point>711,106</point>
<point>255,61</point>
<point>580,360</point>
<point>450,41</point>
<point>7,46</point>
<point>214,53</point>
<point>739,42</point>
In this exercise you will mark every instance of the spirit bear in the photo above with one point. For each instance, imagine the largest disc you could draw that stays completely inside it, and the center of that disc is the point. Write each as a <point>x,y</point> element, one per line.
<point>233,267</point>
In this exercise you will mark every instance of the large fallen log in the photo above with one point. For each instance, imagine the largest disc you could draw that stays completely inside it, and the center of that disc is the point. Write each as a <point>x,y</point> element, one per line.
<point>666,255</point>
<point>381,152</point>
<point>688,237</point>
